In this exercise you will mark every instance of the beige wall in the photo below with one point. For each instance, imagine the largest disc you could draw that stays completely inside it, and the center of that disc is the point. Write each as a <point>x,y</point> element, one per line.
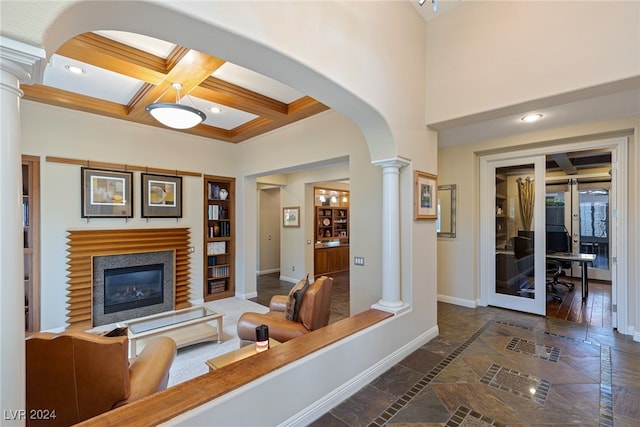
<point>269,230</point>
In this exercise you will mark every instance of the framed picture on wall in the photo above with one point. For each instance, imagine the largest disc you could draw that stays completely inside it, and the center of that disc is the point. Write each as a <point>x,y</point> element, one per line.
<point>106,193</point>
<point>161,196</point>
<point>291,216</point>
<point>425,195</point>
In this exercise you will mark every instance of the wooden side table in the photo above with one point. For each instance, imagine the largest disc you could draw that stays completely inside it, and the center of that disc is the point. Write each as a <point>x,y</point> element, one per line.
<point>236,355</point>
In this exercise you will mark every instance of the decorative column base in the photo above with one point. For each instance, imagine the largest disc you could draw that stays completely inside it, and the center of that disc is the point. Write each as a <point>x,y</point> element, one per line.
<point>395,308</point>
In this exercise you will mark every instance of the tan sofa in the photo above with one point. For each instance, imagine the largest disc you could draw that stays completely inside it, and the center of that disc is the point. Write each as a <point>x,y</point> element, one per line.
<point>80,375</point>
<point>314,313</point>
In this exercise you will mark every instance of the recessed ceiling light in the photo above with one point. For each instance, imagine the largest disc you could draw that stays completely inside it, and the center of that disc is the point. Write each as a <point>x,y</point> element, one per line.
<point>531,117</point>
<point>73,69</point>
<point>215,110</point>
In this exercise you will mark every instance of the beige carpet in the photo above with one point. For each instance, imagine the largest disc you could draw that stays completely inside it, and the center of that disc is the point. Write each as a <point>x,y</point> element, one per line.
<point>190,361</point>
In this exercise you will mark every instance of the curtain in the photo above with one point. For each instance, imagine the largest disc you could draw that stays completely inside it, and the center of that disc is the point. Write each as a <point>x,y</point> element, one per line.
<point>526,197</point>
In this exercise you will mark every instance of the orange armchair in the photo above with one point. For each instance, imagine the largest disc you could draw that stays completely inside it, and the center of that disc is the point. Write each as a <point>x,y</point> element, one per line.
<point>314,313</point>
<point>81,375</point>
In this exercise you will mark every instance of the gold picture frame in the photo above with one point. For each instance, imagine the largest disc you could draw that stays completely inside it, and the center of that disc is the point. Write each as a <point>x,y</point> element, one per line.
<point>425,197</point>
<point>291,216</point>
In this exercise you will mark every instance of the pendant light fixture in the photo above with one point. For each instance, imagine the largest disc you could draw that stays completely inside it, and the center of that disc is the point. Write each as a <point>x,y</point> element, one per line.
<point>176,116</point>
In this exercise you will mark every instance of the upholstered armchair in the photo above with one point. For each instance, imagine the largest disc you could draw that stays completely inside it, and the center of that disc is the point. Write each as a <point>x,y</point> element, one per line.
<point>81,375</point>
<point>314,311</point>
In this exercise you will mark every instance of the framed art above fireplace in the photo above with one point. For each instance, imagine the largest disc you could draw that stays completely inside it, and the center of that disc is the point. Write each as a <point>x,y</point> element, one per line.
<point>106,193</point>
<point>161,196</point>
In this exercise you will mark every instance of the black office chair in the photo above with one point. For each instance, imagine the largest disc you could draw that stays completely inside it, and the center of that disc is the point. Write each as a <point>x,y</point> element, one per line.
<point>524,254</point>
<point>553,270</point>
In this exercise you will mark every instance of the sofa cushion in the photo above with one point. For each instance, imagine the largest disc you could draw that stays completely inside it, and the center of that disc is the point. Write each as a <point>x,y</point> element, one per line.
<point>295,298</point>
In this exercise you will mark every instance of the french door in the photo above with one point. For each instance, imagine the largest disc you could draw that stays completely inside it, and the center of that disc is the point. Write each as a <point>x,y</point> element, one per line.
<point>584,207</point>
<point>512,198</point>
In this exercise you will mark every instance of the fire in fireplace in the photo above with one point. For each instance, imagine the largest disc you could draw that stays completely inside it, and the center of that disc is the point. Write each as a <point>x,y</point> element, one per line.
<point>133,287</point>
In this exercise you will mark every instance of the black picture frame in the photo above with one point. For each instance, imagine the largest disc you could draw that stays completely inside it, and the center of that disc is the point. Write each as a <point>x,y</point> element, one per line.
<point>106,193</point>
<point>161,196</point>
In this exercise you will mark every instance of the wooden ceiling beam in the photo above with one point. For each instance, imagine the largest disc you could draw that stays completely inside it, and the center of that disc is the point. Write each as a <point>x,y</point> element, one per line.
<point>74,101</point>
<point>117,57</point>
<point>225,93</point>
<point>193,68</point>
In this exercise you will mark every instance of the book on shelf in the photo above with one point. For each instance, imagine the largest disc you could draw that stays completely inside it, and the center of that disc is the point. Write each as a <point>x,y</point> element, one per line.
<point>216,248</point>
<point>218,271</point>
<point>216,286</point>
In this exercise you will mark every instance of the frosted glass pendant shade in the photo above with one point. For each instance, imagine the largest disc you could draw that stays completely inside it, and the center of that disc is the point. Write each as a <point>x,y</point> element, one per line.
<point>176,116</point>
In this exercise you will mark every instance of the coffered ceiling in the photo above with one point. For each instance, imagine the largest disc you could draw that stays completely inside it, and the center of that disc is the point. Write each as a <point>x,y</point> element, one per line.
<point>122,73</point>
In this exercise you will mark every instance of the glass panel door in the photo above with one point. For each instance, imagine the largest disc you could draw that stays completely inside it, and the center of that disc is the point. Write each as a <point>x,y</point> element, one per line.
<point>518,231</point>
<point>594,215</point>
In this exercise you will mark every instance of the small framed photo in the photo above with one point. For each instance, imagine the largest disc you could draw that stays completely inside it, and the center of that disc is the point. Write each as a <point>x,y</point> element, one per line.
<point>425,195</point>
<point>161,196</point>
<point>106,193</point>
<point>291,217</point>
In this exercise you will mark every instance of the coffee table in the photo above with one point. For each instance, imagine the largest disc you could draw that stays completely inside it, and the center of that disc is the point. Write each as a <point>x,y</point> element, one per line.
<point>187,326</point>
<point>236,355</point>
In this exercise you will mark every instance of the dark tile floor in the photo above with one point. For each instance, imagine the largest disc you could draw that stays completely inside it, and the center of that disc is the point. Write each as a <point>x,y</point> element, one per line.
<point>496,367</point>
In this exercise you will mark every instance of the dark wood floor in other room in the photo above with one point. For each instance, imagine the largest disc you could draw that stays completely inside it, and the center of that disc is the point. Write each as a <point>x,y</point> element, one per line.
<point>595,311</point>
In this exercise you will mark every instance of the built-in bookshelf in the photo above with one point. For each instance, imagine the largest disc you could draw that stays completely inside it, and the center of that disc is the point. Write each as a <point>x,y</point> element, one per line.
<point>31,235</point>
<point>332,223</point>
<point>219,237</point>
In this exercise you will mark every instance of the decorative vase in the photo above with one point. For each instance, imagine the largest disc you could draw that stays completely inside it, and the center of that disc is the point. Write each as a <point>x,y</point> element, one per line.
<point>215,192</point>
<point>223,194</point>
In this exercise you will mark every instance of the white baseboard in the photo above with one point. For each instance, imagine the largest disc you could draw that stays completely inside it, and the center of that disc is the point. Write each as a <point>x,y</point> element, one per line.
<point>289,279</point>
<point>268,271</point>
<point>457,301</point>
<point>339,395</point>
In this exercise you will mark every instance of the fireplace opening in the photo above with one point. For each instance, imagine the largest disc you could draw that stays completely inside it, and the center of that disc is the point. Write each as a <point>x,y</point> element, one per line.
<point>133,287</point>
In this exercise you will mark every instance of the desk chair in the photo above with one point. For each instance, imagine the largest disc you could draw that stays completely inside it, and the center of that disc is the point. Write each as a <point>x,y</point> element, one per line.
<point>553,269</point>
<point>524,254</point>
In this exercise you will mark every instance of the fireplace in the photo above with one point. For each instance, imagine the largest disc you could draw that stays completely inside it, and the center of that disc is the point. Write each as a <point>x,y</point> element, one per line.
<point>84,246</point>
<point>134,285</point>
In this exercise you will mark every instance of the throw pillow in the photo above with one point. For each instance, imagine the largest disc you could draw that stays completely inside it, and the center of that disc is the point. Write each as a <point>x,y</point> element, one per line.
<point>298,295</point>
<point>291,301</point>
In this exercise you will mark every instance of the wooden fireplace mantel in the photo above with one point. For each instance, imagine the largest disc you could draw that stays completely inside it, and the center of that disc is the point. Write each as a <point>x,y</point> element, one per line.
<point>83,245</point>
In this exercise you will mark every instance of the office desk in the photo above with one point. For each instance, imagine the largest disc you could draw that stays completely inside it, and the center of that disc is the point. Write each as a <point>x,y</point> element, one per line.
<point>583,260</point>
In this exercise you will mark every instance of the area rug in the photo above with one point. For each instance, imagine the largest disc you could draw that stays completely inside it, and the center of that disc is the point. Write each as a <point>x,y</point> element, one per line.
<point>190,361</point>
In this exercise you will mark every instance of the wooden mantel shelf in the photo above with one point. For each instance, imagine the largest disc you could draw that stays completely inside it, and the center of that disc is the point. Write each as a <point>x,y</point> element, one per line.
<point>176,400</point>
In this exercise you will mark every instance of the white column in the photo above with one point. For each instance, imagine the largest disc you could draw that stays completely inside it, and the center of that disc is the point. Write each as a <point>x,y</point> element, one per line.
<point>391,300</point>
<point>19,63</point>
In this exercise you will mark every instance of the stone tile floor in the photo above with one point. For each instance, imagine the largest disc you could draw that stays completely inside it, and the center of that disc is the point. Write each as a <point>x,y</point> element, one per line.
<point>494,367</point>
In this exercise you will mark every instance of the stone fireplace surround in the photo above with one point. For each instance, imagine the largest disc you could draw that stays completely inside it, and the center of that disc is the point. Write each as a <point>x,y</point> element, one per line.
<point>104,262</point>
<point>84,245</point>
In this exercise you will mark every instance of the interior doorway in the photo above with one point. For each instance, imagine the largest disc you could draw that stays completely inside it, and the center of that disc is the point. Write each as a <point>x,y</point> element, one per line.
<point>592,221</point>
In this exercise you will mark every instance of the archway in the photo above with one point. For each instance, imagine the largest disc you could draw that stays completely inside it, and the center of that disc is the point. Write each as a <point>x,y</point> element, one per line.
<point>218,31</point>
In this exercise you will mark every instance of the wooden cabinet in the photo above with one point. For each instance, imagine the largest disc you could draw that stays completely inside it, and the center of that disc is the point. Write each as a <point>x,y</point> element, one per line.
<point>332,223</point>
<point>331,260</point>
<point>219,237</point>
<point>31,233</point>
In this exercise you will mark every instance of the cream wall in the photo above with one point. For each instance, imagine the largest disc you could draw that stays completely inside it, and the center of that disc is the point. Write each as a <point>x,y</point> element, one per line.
<point>488,55</point>
<point>459,165</point>
<point>328,147</point>
<point>269,230</point>
<point>57,132</point>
